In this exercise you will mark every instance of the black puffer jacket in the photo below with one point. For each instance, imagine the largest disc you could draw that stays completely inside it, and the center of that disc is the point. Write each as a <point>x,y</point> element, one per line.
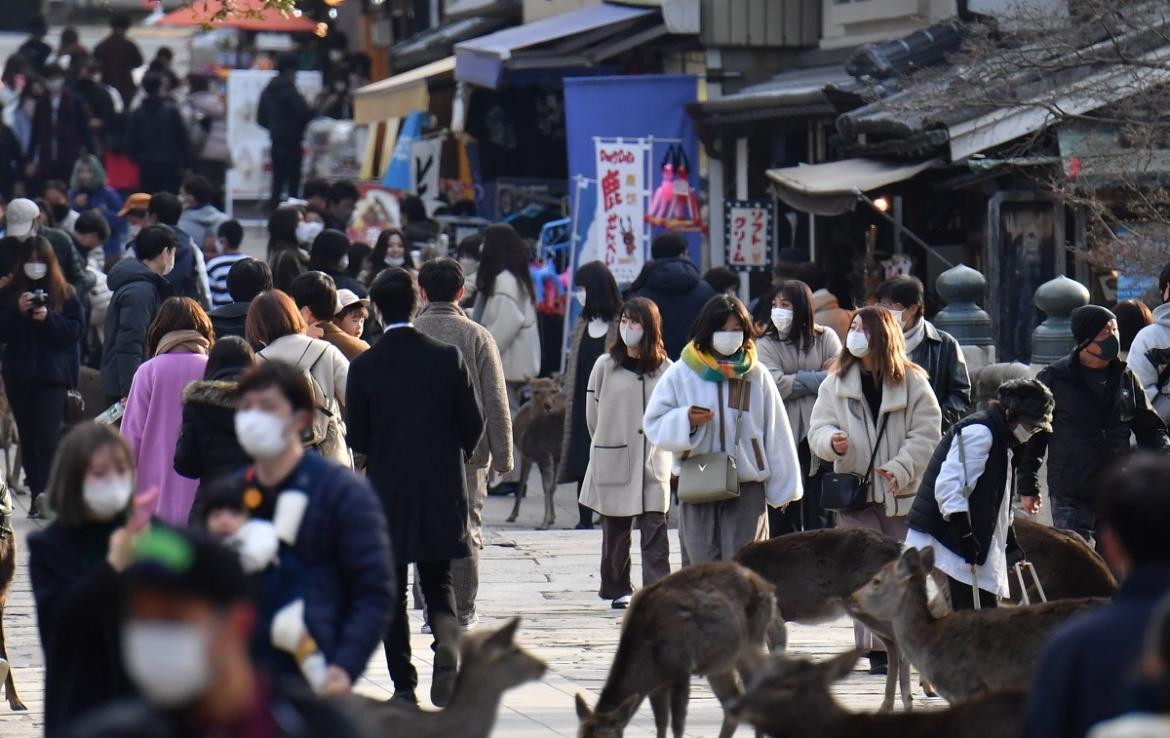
<point>678,289</point>
<point>208,448</point>
<point>283,112</point>
<point>942,358</point>
<point>1088,435</point>
<point>138,293</point>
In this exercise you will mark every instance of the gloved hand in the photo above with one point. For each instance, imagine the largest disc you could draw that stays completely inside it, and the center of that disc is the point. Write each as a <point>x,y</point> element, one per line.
<point>968,546</point>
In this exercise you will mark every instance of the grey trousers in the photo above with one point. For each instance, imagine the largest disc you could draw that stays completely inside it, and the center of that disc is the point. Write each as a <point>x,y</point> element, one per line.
<point>715,531</point>
<point>465,572</point>
<point>615,552</point>
<point>872,517</point>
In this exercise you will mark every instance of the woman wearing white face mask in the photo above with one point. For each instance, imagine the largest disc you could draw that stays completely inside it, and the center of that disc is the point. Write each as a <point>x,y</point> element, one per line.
<point>74,570</point>
<point>719,399</point>
<point>597,294</point>
<point>389,250</point>
<point>42,324</point>
<point>628,477</point>
<point>876,410</point>
<point>798,353</point>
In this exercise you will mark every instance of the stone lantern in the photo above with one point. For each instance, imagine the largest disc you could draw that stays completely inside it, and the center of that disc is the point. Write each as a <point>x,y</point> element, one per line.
<point>1053,338</point>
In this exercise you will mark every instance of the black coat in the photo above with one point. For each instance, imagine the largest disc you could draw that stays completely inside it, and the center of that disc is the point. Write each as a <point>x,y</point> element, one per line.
<point>283,111</point>
<point>69,259</point>
<point>207,448</point>
<point>1088,436</point>
<point>41,351</point>
<point>156,134</point>
<point>228,320</point>
<point>942,358</point>
<point>78,598</point>
<point>416,440</point>
<point>676,286</point>
<point>138,293</point>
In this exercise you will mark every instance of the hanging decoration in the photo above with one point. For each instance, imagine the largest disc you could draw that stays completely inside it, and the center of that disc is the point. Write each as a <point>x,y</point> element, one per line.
<point>675,204</point>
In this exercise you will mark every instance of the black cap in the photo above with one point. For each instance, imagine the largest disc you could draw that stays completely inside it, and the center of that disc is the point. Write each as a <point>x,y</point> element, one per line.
<point>1029,400</point>
<point>1087,321</point>
<point>187,564</point>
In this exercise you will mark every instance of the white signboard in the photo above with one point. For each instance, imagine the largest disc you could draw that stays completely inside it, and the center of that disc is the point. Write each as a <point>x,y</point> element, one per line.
<point>621,208</point>
<point>250,176</point>
<point>424,167</point>
<point>749,232</point>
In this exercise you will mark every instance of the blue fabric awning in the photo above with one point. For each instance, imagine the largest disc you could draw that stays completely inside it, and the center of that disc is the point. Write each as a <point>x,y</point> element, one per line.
<point>578,38</point>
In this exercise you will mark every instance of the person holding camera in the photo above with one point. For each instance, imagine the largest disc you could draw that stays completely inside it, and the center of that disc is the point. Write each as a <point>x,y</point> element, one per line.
<point>42,323</point>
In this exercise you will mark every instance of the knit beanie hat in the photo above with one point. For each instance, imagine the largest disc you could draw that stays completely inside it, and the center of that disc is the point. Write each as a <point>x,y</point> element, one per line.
<point>1087,322</point>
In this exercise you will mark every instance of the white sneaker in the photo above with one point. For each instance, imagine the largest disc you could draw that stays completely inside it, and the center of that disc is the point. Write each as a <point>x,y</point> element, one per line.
<point>621,603</point>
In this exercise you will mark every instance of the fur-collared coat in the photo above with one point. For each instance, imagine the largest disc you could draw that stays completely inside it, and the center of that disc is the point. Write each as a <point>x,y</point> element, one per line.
<point>207,448</point>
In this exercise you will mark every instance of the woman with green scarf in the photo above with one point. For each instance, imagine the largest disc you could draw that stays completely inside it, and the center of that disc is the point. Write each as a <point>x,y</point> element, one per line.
<point>694,410</point>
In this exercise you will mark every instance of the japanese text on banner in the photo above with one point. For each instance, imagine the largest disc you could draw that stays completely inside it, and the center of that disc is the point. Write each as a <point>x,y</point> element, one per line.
<point>621,207</point>
<point>749,235</point>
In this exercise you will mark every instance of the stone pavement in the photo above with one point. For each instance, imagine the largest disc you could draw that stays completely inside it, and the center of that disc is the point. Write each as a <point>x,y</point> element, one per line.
<point>548,578</point>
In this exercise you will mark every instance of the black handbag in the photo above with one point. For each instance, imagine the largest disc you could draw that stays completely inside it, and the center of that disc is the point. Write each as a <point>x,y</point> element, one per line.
<point>846,491</point>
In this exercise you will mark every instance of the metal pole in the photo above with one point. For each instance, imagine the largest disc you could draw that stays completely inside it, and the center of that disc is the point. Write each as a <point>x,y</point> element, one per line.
<point>741,193</point>
<point>905,231</point>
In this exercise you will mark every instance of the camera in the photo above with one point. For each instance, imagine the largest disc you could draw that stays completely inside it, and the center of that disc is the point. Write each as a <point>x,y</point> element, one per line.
<point>39,299</point>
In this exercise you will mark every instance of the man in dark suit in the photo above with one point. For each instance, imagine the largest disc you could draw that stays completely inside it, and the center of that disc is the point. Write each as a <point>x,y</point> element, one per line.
<point>416,442</point>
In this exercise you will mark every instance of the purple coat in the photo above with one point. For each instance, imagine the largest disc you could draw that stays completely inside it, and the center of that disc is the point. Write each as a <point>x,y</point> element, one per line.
<point>153,419</point>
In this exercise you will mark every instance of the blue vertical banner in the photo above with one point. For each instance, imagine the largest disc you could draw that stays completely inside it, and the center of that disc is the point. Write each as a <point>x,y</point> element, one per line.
<point>639,109</point>
<point>398,174</point>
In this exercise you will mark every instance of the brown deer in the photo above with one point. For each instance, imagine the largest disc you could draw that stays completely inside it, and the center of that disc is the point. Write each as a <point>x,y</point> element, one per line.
<point>537,430</point>
<point>965,654</point>
<point>7,572</point>
<point>708,619</point>
<point>490,664</point>
<point>790,698</point>
<point>1067,566</point>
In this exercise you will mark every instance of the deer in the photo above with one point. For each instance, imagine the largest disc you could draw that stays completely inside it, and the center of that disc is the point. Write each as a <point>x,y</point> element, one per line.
<point>708,619</point>
<point>491,663</point>
<point>537,430</point>
<point>1067,566</point>
<point>790,698</point>
<point>965,654</point>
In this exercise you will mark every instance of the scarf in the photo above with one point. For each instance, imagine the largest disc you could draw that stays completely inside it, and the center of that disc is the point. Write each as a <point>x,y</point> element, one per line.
<point>716,369</point>
<point>185,341</point>
<point>915,335</point>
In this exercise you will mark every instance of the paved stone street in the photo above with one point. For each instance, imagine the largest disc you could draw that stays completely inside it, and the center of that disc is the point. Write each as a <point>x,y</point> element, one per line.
<point>550,579</point>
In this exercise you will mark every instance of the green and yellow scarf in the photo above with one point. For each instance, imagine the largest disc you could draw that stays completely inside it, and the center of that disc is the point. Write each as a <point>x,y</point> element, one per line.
<point>716,369</point>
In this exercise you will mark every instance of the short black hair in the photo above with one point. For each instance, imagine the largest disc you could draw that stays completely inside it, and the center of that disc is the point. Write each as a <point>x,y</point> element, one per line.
<point>903,290</point>
<point>721,279</point>
<point>286,378</point>
<point>414,209</point>
<point>199,188</point>
<point>287,63</point>
<point>315,188</point>
<point>395,295</point>
<point>153,240</point>
<point>339,191</point>
<point>328,248</point>
<point>470,246</point>
<point>232,232</point>
<point>247,278</point>
<point>441,278</point>
<point>119,21</point>
<point>166,207</point>
<point>668,245</point>
<point>1136,506</point>
<point>229,358</point>
<point>603,299</point>
<point>316,291</point>
<point>165,52</point>
<point>222,493</point>
<point>37,25</point>
<point>92,221</point>
<point>56,184</point>
<point>152,82</point>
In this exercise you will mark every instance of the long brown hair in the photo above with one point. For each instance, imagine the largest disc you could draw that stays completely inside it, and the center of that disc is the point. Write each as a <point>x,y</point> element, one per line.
<point>886,346</point>
<point>178,314</point>
<point>651,352</point>
<point>54,282</point>
<point>272,315</point>
<point>71,466</point>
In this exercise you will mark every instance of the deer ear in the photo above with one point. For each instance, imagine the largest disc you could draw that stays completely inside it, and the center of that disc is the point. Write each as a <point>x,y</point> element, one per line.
<point>928,558</point>
<point>504,637</point>
<point>909,562</point>
<point>839,666</point>
<point>583,711</point>
<point>626,710</point>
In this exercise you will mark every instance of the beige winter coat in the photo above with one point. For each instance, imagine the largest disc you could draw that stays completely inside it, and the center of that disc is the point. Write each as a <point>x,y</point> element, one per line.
<point>627,475</point>
<point>912,432</point>
<point>510,316</point>
<point>827,312</point>
<point>799,374</point>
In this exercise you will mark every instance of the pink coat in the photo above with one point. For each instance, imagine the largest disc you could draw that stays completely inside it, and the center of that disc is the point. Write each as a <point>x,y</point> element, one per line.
<point>154,416</point>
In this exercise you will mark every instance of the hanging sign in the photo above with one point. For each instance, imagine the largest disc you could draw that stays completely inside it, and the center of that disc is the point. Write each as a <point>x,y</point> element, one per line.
<point>750,231</point>
<point>424,167</point>
<point>621,206</point>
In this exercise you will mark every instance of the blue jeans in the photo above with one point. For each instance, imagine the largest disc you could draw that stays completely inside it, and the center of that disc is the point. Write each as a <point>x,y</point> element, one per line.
<point>1074,515</point>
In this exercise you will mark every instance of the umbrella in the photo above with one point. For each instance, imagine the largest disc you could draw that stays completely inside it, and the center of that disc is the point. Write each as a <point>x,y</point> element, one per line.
<point>250,15</point>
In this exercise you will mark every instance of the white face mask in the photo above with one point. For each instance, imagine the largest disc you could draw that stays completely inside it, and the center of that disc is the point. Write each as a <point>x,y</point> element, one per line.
<point>782,319</point>
<point>256,543</point>
<point>167,661</point>
<point>36,270</point>
<point>1023,433</point>
<point>469,266</point>
<point>857,343</point>
<point>261,434</point>
<point>631,334</point>
<point>579,295</point>
<point>897,314</point>
<point>394,261</point>
<point>105,497</point>
<point>307,230</point>
<point>170,263</point>
<point>727,342</point>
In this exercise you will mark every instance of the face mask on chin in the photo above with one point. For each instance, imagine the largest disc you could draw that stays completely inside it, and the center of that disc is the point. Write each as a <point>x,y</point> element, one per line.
<point>394,261</point>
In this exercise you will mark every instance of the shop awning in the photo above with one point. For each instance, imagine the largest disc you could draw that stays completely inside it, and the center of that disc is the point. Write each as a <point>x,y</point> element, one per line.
<point>830,188</point>
<point>249,15</point>
<point>439,42</point>
<point>397,96</point>
<point>578,38</point>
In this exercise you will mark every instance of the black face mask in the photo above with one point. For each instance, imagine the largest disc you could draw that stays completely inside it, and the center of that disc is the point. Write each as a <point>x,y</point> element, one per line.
<point>1109,348</point>
<point>60,211</point>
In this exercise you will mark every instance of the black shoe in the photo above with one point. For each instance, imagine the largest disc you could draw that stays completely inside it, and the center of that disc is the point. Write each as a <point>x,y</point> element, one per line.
<point>879,663</point>
<point>503,489</point>
<point>443,678</point>
<point>404,697</point>
<point>583,526</point>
